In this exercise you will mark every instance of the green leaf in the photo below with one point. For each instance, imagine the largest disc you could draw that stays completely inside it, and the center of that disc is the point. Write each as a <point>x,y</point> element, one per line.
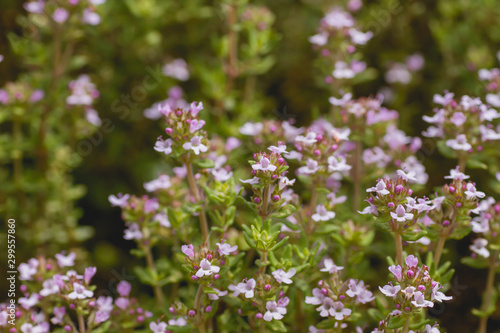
<point>413,236</point>
<point>461,232</point>
<point>279,244</point>
<point>284,212</point>
<point>475,164</point>
<point>478,263</point>
<point>103,328</point>
<point>205,164</point>
<point>396,322</point>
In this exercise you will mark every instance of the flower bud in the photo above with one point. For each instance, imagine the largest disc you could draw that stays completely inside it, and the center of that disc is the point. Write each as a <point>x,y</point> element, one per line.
<point>209,257</point>
<point>390,204</point>
<point>67,328</point>
<point>171,310</point>
<point>317,152</point>
<point>208,309</point>
<point>341,297</point>
<point>194,278</point>
<point>410,274</point>
<point>399,189</point>
<point>258,315</point>
<point>407,309</point>
<point>421,287</point>
<point>191,313</point>
<point>276,198</point>
<point>267,287</point>
<point>216,276</point>
<point>140,319</point>
<point>169,131</point>
<point>256,200</point>
<point>324,291</point>
<point>446,223</point>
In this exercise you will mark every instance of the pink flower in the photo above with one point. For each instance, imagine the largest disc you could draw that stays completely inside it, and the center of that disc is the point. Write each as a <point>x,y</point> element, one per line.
<point>80,292</point>
<point>89,274</point>
<point>455,174</point>
<point>196,125</point>
<point>164,146</point>
<point>322,214</point>
<point>133,232</point>
<point>330,267</point>
<point>91,17</point>
<point>160,327</point>
<point>188,250</point>
<point>206,268</point>
<point>226,249</point>
<point>411,261</point>
<point>274,311</point>
<point>60,15</point>
<point>264,165</point>
<point>66,261</point>
<point>281,149</point>
<point>446,99</point>
<point>401,215</point>
<point>390,290</point>
<point>123,288</point>
<point>420,302</point>
<point>380,188</point>
<point>459,143</point>
<point>119,201</point>
<point>310,168</point>
<point>162,182</point>
<point>176,69</point>
<point>407,176</point>
<point>246,287</point>
<point>397,271</point>
<point>472,193</point>
<point>195,145</point>
<point>251,128</point>
<point>284,277</point>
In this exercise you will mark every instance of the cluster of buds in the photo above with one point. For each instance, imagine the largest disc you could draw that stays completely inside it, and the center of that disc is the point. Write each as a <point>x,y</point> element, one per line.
<point>466,125</point>
<point>320,153</point>
<point>174,100</point>
<point>363,112</point>
<point>412,290</point>
<point>16,93</point>
<point>270,131</point>
<point>391,201</point>
<point>204,264</point>
<point>185,131</point>
<point>269,181</point>
<point>335,298</point>
<point>264,296</point>
<point>83,94</point>
<point>337,31</point>
<point>487,226</point>
<point>402,72</point>
<point>492,76</point>
<point>450,213</point>
<point>79,11</point>
<point>257,16</point>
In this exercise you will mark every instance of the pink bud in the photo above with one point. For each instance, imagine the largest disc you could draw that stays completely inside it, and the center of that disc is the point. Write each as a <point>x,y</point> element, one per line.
<point>281,160</point>
<point>397,306</point>
<point>256,200</point>
<point>324,291</point>
<point>399,188</point>
<point>267,287</point>
<point>48,267</point>
<point>390,204</point>
<point>458,205</point>
<point>169,131</point>
<point>276,198</point>
<point>191,313</point>
<point>272,128</point>
<point>194,278</point>
<point>410,191</point>
<point>209,257</point>
<point>334,147</point>
<point>274,177</point>
<point>258,315</point>
<point>72,306</point>
<point>407,309</point>
<point>421,287</point>
<point>91,304</point>
<point>410,274</point>
<point>446,223</point>
<point>67,328</point>
<point>178,113</point>
<point>216,276</point>
<point>140,319</point>
<point>208,309</point>
<point>23,288</point>
<point>341,297</point>
<point>317,152</point>
<point>171,310</point>
<point>319,137</point>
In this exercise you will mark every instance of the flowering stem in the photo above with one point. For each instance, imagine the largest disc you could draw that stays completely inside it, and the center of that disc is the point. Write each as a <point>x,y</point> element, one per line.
<point>197,305</point>
<point>312,206</point>
<point>263,259</point>
<point>151,266</point>
<point>196,194</point>
<point>399,247</point>
<point>462,160</point>
<point>439,250</point>
<point>488,291</point>
<point>262,328</point>
<point>406,326</point>
<point>81,323</point>
<point>265,203</point>
<point>357,175</point>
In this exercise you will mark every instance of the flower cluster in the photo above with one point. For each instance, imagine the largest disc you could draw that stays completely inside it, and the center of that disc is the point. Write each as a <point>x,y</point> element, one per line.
<point>185,131</point>
<point>269,132</point>
<point>391,201</point>
<point>412,290</point>
<point>204,264</point>
<point>174,100</point>
<point>86,10</point>
<point>465,124</point>
<point>402,72</point>
<point>335,298</point>
<point>83,94</point>
<point>487,226</point>
<point>19,93</point>
<point>492,76</point>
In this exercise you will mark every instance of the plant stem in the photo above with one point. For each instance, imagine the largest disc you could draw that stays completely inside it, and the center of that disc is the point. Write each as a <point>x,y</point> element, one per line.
<point>264,260</point>
<point>357,175</point>
<point>265,204</point>
<point>151,266</point>
<point>488,291</point>
<point>197,305</point>
<point>81,323</point>
<point>406,326</point>
<point>312,206</point>
<point>300,310</point>
<point>439,250</point>
<point>399,248</point>
<point>462,161</point>
<point>196,194</point>
<point>232,70</point>
<point>262,327</point>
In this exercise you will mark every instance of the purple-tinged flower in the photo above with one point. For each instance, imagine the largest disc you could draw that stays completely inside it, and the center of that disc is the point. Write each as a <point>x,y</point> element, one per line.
<point>359,37</point>
<point>284,277</point>
<point>398,73</point>
<point>206,268</point>
<point>340,101</point>
<point>195,145</point>
<point>342,71</point>
<point>176,69</point>
<point>415,62</point>
<point>36,6</point>
<point>232,143</point>
<point>396,271</point>
<point>472,193</point>
<point>338,164</point>
<point>322,214</point>
<point>162,182</point>
<point>439,296</point>
<point>123,288</point>
<point>119,201</point>
<point>83,91</point>
<point>133,232</point>
<point>319,39</point>
<point>330,267</point>
<point>479,247</point>
<point>411,261</point>
<point>308,140</point>
<point>355,287</point>
<point>164,146</point>
<point>215,296</point>
<point>274,311</point>
<point>493,99</point>
<point>334,309</point>
<point>317,297</point>
<point>80,292</point>
<point>458,119</point>
<point>162,218</point>
<point>29,328</point>
<point>196,125</point>
<point>122,303</point>
<point>60,15</point>
<point>188,250</point>
<point>246,287</point>
<point>89,274</point>
<point>281,149</point>
<point>29,302</point>
<point>380,188</point>
<point>401,215</point>
<point>264,164</point>
<point>226,249</point>
<point>66,261</point>
<point>195,108</point>
<point>91,17</point>
<point>310,168</point>
<point>27,270</point>
<point>420,301</point>
<point>151,205</point>
<point>221,175</point>
<point>390,290</point>
<point>407,176</point>
<point>284,181</point>
<point>459,143</point>
<point>455,174</point>
<point>365,296</point>
<point>159,327</point>
<point>370,209</point>
<point>252,181</point>
<point>251,128</point>
<point>59,313</point>
<point>446,99</point>
<point>181,321</point>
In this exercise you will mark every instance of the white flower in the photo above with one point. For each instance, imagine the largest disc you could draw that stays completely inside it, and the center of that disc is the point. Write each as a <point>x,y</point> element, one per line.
<point>493,100</point>
<point>340,101</point>
<point>162,218</point>
<point>380,188</point>
<point>407,176</point>
<point>264,165</point>
<point>251,128</point>
<point>66,261</point>
<point>330,267</point>
<point>401,215</point>
<point>119,201</point>
<point>472,193</point>
<point>176,69</point>
<point>133,232</point>
<point>311,167</point>
<point>274,311</point>
<point>163,182</point>
<point>221,175</point>
<point>455,174</point>
<point>355,288</point>
<point>390,291</point>
<point>215,296</point>
<point>445,99</point>
<point>226,249</point>
<point>319,39</point>
<point>460,143</point>
<point>322,214</point>
<point>49,288</point>
<point>278,150</point>
<point>479,247</point>
<point>28,303</point>
<point>317,297</point>
<point>308,140</point>
<point>195,145</point>
<point>206,268</point>
<point>342,71</point>
<point>341,134</point>
<point>284,277</point>
<point>420,302</point>
<point>359,37</point>
<point>439,296</point>
<point>160,327</point>
<point>253,181</point>
<point>284,181</point>
<point>80,292</point>
<point>338,164</point>
<point>245,287</point>
<point>163,146</point>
